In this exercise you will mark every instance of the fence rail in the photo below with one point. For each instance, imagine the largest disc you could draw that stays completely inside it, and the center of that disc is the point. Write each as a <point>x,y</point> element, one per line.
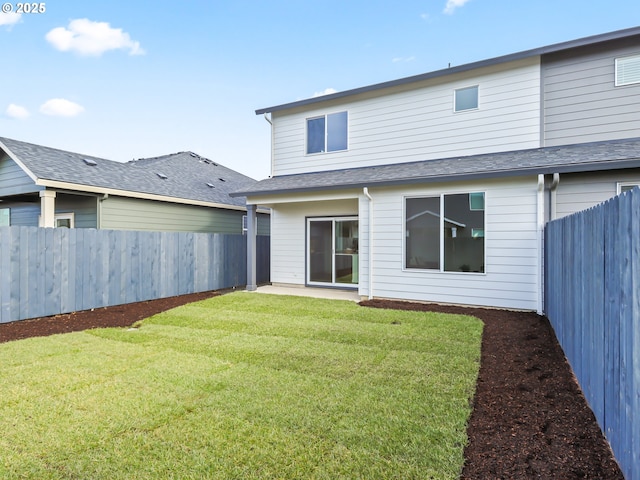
<point>592,299</point>
<point>47,271</point>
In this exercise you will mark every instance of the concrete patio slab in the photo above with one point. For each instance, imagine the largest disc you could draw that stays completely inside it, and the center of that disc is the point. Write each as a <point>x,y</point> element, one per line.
<point>328,293</point>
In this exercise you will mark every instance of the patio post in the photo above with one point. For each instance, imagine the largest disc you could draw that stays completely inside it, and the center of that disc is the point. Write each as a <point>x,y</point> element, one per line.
<point>252,230</point>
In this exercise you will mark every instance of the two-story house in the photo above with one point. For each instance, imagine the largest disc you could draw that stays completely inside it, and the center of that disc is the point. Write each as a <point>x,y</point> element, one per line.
<point>436,187</point>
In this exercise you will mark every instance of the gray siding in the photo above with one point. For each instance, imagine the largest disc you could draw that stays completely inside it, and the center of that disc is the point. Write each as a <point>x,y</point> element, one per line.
<point>13,181</point>
<point>119,213</point>
<point>580,191</point>
<point>23,214</point>
<point>580,100</point>
<point>83,208</point>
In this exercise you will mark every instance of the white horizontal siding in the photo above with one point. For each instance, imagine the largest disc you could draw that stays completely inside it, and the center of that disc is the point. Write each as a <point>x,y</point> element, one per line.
<point>288,230</point>
<point>418,123</point>
<point>511,248</point>
<point>578,192</point>
<point>581,101</point>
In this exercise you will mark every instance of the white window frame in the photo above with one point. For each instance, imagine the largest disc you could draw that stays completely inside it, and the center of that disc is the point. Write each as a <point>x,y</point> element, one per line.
<point>441,270</point>
<point>468,87</point>
<point>618,61</point>
<point>65,216</point>
<point>245,225</point>
<point>620,185</point>
<point>326,133</point>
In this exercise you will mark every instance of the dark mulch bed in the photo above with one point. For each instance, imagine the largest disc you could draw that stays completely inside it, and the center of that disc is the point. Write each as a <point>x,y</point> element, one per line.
<point>530,419</point>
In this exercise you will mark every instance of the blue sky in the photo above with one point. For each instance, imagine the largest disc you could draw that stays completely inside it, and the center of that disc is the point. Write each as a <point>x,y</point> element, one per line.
<point>124,80</point>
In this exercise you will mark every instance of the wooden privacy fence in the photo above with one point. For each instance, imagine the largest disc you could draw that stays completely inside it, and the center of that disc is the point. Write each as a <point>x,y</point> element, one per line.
<point>592,299</point>
<point>47,271</point>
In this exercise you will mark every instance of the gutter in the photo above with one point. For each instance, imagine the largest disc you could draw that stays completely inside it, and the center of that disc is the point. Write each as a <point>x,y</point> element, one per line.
<point>365,191</point>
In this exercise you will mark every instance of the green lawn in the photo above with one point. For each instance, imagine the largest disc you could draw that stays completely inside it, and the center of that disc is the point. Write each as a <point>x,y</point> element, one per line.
<point>243,386</point>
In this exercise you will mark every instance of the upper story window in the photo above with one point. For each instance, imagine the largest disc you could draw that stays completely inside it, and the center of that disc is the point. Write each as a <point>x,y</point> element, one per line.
<point>327,133</point>
<point>465,99</point>
<point>627,70</point>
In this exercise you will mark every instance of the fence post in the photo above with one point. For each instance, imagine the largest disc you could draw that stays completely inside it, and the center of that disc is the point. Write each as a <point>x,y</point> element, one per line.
<point>252,227</point>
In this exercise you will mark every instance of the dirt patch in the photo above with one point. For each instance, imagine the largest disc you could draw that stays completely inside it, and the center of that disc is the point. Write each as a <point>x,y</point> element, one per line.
<point>530,419</point>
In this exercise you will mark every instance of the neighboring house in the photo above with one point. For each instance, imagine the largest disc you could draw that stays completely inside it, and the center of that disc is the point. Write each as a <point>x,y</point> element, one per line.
<point>437,187</point>
<point>179,192</point>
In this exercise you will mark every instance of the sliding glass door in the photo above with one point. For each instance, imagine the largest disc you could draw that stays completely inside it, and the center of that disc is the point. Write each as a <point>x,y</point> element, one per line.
<point>332,251</point>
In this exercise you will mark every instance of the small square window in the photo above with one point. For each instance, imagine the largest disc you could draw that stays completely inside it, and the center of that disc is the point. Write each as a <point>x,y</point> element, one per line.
<point>626,186</point>
<point>627,70</point>
<point>466,99</point>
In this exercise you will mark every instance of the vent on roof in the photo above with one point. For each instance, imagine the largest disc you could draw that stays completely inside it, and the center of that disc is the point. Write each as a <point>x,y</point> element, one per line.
<point>89,162</point>
<point>194,155</point>
<point>162,175</point>
<point>210,185</point>
<point>222,179</point>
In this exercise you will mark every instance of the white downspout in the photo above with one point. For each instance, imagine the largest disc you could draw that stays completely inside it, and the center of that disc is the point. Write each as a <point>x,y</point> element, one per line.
<point>272,139</point>
<point>540,239</point>
<point>553,200</point>
<point>365,190</point>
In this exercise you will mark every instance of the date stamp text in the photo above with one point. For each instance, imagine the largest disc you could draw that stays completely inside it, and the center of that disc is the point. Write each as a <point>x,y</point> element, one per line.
<point>21,8</point>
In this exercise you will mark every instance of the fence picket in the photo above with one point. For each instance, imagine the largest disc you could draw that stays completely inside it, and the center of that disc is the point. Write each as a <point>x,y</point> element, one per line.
<point>592,300</point>
<point>50,271</point>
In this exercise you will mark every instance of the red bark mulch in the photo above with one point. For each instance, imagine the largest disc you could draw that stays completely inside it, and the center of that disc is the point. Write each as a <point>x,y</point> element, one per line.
<point>530,419</point>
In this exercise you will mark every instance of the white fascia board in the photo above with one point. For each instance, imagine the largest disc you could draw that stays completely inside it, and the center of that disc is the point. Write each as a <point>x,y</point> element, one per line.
<point>126,193</point>
<point>20,164</point>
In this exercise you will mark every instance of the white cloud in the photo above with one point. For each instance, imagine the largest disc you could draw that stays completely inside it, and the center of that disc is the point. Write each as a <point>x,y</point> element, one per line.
<point>16,111</point>
<point>60,107</point>
<point>452,5</point>
<point>403,59</point>
<point>326,91</point>
<point>9,19</point>
<point>86,37</point>
<point>424,16</point>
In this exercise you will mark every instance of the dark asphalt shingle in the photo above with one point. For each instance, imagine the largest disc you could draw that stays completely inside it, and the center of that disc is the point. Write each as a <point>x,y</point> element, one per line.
<point>615,154</point>
<point>187,173</point>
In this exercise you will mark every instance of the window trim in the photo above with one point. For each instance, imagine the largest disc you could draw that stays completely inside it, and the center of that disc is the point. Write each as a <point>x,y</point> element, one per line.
<point>441,269</point>
<point>65,216</point>
<point>469,87</point>
<point>618,83</point>
<point>326,133</point>
<point>620,185</point>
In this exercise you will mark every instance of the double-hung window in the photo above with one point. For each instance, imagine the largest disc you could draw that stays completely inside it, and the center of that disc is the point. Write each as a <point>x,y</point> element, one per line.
<point>445,232</point>
<point>327,133</point>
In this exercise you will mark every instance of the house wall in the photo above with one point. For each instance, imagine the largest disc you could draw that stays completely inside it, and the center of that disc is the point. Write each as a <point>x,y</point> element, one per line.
<point>288,235</point>
<point>579,191</point>
<point>13,180</point>
<point>511,248</point>
<point>118,213</point>
<point>581,102</point>
<point>417,122</point>
<point>84,209</point>
<point>22,214</point>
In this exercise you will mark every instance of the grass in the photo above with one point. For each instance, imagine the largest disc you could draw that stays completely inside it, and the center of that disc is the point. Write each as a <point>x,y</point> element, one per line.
<point>243,386</point>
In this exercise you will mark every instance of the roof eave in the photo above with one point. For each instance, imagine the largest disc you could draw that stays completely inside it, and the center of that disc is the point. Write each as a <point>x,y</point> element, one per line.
<point>581,42</point>
<point>544,170</point>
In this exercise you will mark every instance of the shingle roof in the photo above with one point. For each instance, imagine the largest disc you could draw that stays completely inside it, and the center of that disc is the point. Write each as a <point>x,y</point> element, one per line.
<point>609,155</point>
<point>558,47</point>
<point>187,173</point>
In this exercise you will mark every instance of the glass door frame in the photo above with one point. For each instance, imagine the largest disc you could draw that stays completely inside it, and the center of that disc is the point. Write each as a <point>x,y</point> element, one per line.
<point>333,283</point>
